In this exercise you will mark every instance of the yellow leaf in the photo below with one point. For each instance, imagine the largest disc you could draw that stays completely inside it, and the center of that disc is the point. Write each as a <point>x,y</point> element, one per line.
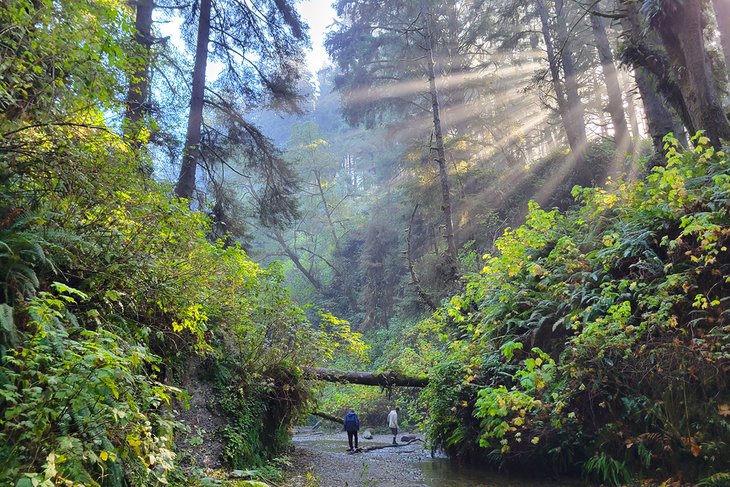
<point>723,410</point>
<point>133,441</point>
<point>104,456</point>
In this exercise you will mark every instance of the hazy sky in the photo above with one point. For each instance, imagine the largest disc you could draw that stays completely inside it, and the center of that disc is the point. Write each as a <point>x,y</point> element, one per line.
<point>319,14</point>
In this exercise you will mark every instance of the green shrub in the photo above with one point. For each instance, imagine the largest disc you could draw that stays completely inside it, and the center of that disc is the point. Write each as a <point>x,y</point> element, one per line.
<point>78,403</point>
<point>599,333</point>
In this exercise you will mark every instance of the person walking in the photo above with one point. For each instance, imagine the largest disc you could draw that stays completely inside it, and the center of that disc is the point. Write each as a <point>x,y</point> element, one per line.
<point>393,423</point>
<point>352,425</point>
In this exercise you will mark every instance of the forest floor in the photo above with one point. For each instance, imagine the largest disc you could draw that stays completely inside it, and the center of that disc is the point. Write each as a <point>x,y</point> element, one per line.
<point>200,443</point>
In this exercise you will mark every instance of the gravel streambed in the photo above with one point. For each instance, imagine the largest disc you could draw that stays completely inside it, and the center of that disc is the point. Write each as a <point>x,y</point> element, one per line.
<point>325,458</point>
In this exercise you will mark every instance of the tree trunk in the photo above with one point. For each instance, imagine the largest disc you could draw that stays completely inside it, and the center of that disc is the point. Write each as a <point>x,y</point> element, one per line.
<point>382,379</point>
<point>680,28</point>
<point>658,117</point>
<point>576,115</point>
<point>552,61</point>
<point>279,238</point>
<point>722,13</point>
<point>641,56</point>
<point>330,417</point>
<point>138,92</point>
<point>191,155</point>
<point>631,110</point>
<point>574,137</point>
<point>615,99</point>
<point>327,211</point>
<point>396,445</point>
<point>440,152</point>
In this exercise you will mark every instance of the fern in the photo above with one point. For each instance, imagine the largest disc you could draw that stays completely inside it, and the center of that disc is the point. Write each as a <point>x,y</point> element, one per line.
<point>605,469</point>
<point>21,254</point>
<point>717,480</point>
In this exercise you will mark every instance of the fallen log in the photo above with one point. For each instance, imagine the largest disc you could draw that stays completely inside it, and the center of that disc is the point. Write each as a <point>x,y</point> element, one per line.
<point>328,416</point>
<point>380,447</point>
<point>382,379</point>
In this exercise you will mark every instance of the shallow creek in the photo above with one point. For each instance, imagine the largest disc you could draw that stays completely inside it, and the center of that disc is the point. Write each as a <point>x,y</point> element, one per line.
<point>324,455</point>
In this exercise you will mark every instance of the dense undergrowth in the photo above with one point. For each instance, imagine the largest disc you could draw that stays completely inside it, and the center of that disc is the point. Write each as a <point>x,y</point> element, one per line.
<point>104,284</point>
<point>410,349</point>
<point>596,341</point>
<point>107,282</point>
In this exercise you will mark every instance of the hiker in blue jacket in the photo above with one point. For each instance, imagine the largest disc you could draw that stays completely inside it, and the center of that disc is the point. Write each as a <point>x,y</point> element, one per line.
<point>352,424</point>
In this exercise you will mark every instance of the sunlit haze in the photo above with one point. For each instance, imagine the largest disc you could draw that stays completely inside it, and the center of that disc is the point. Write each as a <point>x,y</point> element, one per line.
<point>318,14</point>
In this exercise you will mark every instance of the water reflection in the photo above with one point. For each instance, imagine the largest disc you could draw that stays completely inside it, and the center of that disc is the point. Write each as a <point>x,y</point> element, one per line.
<point>439,472</point>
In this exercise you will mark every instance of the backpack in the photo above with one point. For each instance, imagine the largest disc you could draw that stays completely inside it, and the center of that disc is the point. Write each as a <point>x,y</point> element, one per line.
<point>351,422</point>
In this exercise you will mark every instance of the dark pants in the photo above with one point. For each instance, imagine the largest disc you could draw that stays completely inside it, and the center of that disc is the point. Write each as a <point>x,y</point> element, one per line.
<point>350,436</point>
<point>395,433</point>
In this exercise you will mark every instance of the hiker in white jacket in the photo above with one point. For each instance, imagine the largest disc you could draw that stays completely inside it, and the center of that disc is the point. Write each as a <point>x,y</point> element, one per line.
<point>393,423</point>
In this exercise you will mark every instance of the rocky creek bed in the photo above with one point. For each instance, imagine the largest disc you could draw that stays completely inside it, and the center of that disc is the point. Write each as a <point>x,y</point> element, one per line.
<point>325,458</point>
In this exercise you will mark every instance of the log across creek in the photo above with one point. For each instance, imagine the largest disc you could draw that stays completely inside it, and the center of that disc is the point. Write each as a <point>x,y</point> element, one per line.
<point>382,379</point>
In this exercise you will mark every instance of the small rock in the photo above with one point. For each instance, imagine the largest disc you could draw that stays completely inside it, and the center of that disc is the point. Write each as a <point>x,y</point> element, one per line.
<point>406,438</point>
<point>367,434</point>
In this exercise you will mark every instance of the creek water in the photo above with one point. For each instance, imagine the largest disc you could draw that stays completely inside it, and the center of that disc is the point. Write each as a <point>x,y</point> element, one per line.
<point>326,456</point>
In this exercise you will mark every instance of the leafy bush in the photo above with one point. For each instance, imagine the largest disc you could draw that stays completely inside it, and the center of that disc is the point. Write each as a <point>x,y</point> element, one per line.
<point>106,280</point>
<point>600,333</point>
<point>82,367</point>
<point>81,402</point>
